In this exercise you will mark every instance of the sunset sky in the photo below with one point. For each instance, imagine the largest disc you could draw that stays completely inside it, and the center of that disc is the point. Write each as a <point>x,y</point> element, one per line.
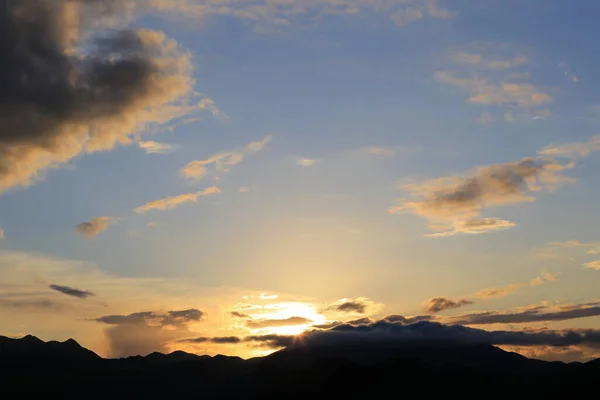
<point>200,174</point>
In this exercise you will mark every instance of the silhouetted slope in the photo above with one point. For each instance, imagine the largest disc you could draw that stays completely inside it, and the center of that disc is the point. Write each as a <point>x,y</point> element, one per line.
<point>377,370</point>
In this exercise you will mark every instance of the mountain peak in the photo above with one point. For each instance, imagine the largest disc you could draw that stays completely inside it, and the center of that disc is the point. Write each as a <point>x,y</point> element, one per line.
<point>31,338</point>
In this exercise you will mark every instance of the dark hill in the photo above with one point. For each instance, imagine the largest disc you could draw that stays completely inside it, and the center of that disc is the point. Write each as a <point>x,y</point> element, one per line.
<point>372,371</point>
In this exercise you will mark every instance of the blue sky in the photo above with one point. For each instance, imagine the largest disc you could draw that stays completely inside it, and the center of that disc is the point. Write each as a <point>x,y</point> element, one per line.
<point>372,101</point>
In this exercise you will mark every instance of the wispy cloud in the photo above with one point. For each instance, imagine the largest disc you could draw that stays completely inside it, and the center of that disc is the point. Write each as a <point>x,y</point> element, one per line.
<point>504,290</point>
<point>94,226</point>
<point>486,71</point>
<point>268,16</point>
<point>556,250</point>
<point>593,265</point>
<point>170,203</point>
<point>152,147</point>
<point>476,226</point>
<point>220,163</point>
<point>536,314</point>
<point>503,93</point>
<point>572,150</point>
<point>307,162</point>
<point>491,62</point>
<point>2,234</point>
<point>441,303</point>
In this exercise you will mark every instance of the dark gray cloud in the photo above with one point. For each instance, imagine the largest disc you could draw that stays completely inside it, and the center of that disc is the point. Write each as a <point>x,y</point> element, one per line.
<point>527,316</point>
<point>94,226</point>
<point>145,332</point>
<point>218,340</point>
<point>267,323</point>
<point>272,341</point>
<point>226,339</point>
<point>174,318</point>
<point>437,304</point>
<point>238,314</point>
<point>65,91</point>
<point>352,306</point>
<point>182,317</point>
<point>134,318</point>
<point>423,332</point>
<point>73,292</point>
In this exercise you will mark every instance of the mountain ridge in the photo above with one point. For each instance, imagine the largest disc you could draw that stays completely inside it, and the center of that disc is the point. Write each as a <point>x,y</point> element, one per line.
<point>29,364</point>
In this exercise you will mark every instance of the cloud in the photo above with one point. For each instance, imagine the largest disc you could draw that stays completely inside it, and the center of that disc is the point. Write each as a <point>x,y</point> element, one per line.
<point>527,316</point>
<point>556,250</point>
<point>572,150</point>
<point>173,202</point>
<point>268,16</point>
<point>476,226</point>
<point>437,304</point>
<point>43,305</point>
<point>170,318</point>
<point>474,59</point>
<point>73,292</point>
<point>382,333</point>
<point>244,189</point>
<point>593,265</point>
<point>306,162</point>
<point>486,72</point>
<point>503,93</point>
<point>220,163</point>
<point>358,305</point>
<point>271,323</point>
<point>152,147</point>
<point>145,332</point>
<point>104,89</point>
<point>504,290</point>
<point>226,339</point>
<point>329,325</point>
<point>94,226</point>
<point>455,198</point>
<point>2,234</point>
<point>272,341</point>
<point>238,314</point>
<point>218,340</point>
<point>380,151</point>
<point>352,306</point>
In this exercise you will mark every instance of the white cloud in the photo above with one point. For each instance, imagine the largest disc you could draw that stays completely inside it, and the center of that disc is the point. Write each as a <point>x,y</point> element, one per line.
<point>152,147</point>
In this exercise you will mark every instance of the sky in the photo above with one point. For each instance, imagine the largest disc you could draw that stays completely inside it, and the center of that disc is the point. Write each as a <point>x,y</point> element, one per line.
<point>192,174</point>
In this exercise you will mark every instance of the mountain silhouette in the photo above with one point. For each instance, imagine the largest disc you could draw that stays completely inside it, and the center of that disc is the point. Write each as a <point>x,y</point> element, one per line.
<point>372,371</point>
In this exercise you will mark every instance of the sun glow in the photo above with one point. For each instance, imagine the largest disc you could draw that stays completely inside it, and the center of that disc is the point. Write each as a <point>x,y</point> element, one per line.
<point>283,311</point>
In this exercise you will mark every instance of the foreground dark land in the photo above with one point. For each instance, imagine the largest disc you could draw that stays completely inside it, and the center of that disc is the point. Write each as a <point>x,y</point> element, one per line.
<point>29,365</point>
